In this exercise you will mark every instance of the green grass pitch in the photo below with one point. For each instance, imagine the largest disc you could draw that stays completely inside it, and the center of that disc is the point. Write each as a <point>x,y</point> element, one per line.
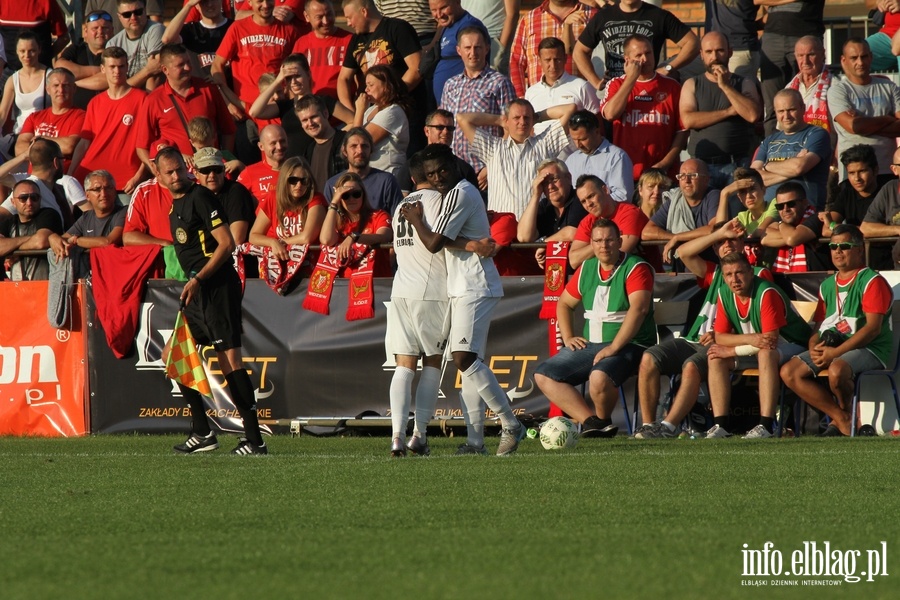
<point>124,517</point>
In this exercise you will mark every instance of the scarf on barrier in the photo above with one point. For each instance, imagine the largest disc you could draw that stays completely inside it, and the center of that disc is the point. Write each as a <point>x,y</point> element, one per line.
<point>278,274</point>
<point>361,292</point>
<point>816,106</point>
<point>556,263</point>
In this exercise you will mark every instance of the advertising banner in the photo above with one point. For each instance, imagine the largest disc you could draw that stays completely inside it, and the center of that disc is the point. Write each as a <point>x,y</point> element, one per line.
<point>42,369</point>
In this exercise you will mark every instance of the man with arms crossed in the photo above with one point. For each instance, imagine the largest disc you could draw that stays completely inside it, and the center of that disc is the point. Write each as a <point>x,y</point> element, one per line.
<point>854,303</point>
<point>416,318</point>
<point>474,289</point>
<point>211,299</point>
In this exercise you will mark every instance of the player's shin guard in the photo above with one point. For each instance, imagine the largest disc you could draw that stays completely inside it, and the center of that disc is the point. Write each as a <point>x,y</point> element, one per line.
<point>401,398</point>
<point>482,378</point>
<point>199,423</point>
<point>426,398</point>
<point>241,390</point>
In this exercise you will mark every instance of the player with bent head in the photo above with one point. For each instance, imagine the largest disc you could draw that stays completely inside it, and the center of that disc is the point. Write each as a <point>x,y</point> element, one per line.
<point>211,299</point>
<point>474,289</point>
<point>416,318</point>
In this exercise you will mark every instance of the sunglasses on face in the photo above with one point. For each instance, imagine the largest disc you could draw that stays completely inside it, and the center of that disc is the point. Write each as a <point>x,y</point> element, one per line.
<point>296,180</point>
<point>450,128</point>
<point>842,245</point>
<point>138,12</point>
<point>209,170</point>
<point>28,197</point>
<point>352,194</point>
<point>98,16</point>
<point>784,205</point>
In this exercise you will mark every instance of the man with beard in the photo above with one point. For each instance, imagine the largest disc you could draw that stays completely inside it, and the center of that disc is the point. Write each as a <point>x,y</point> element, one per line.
<point>720,109</point>
<point>381,187</point>
<point>211,299</point>
<point>29,229</point>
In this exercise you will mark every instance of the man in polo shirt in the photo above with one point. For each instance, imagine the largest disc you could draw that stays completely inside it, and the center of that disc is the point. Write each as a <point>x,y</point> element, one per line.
<point>556,86</point>
<point>510,160</point>
<point>597,156</point>
<point>172,105</point>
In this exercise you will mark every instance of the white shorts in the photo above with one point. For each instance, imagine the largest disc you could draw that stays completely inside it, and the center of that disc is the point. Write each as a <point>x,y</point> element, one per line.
<point>416,327</point>
<point>470,320</point>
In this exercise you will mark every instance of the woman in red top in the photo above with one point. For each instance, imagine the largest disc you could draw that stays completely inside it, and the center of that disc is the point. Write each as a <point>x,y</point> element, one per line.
<point>352,220</point>
<point>294,214</point>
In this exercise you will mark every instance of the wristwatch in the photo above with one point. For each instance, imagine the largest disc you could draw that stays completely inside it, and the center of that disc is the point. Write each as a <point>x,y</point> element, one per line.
<point>355,236</point>
<point>668,68</point>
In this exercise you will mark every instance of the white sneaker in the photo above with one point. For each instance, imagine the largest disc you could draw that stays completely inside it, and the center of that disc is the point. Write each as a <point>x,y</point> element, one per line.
<point>717,432</point>
<point>757,433</point>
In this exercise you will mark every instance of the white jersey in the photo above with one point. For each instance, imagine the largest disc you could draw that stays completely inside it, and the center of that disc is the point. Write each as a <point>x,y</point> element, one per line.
<point>420,274</point>
<point>463,215</point>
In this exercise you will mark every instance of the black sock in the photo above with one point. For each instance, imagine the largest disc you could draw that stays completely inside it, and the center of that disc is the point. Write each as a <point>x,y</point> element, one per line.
<point>199,423</point>
<point>721,422</point>
<point>767,422</point>
<point>241,391</point>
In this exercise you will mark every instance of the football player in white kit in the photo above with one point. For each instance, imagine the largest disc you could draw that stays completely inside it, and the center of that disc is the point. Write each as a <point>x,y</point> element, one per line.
<point>474,288</point>
<point>417,320</point>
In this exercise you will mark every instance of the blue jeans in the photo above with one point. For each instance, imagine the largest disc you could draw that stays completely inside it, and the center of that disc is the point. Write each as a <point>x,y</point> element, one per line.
<point>575,366</point>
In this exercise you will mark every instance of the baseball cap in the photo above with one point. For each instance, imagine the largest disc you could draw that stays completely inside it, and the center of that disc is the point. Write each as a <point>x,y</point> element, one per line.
<point>208,157</point>
<point>158,145</point>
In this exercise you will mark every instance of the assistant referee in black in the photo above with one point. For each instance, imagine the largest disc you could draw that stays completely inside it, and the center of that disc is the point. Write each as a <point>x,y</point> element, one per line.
<point>211,297</point>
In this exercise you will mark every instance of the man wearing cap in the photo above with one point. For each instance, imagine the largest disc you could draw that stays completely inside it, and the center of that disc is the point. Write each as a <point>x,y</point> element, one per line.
<point>236,200</point>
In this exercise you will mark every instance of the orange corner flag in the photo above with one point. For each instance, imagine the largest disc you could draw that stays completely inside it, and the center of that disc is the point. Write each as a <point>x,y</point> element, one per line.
<point>184,364</point>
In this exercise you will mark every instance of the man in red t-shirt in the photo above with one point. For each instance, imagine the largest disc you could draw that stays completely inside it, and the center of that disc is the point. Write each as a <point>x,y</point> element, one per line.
<point>262,177</point>
<point>325,46</point>
<point>643,108</point>
<point>170,107</point>
<point>61,122</point>
<point>253,46</point>
<point>147,221</point>
<point>595,198</point>
<point>110,123</point>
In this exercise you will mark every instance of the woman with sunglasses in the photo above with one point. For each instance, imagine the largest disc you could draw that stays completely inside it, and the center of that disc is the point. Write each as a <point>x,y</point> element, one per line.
<point>352,220</point>
<point>382,111</point>
<point>292,216</point>
<point>26,91</point>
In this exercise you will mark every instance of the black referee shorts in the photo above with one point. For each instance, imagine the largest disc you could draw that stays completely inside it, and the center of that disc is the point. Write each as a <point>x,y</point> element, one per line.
<point>214,315</point>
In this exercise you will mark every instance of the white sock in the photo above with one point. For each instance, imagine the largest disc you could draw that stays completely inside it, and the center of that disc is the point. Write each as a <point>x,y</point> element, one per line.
<point>426,399</point>
<point>668,426</point>
<point>490,391</point>
<point>473,412</point>
<point>401,398</point>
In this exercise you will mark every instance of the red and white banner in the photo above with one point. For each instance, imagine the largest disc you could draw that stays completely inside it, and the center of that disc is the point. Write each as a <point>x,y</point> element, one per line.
<point>42,369</point>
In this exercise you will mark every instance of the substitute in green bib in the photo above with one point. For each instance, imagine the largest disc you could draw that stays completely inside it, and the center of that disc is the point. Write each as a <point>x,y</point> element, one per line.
<point>755,327</point>
<point>853,333</point>
<point>616,291</point>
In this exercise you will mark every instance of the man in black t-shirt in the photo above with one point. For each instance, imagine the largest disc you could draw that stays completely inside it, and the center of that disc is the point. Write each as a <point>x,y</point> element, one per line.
<point>211,300</point>
<point>611,25</point>
<point>83,57</point>
<point>29,229</point>
<point>792,244</point>
<point>200,37</point>
<point>855,194</point>
<point>378,40</point>
<point>237,202</point>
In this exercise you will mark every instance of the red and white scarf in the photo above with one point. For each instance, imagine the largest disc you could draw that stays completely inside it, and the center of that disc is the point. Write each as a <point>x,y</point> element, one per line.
<point>816,106</point>
<point>361,303</point>
<point>556,263</point>
<point>278,274</point>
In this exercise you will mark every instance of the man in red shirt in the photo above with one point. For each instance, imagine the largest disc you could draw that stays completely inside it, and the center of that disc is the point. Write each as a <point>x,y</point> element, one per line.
<point>253,46</point>
<point>170,107</point>
<point>594,196</point>
<point>147,221</point>
<point>325,46</point>
<point>643,107</point>
<point>262,177</point>
<point>61,122</point>
<point>110,124</point>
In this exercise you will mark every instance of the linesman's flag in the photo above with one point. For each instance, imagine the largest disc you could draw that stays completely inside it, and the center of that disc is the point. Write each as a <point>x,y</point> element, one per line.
<point>184,364</point>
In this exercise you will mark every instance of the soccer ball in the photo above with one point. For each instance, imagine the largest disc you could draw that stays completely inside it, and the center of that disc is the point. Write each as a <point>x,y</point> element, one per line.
<point>558,433</point>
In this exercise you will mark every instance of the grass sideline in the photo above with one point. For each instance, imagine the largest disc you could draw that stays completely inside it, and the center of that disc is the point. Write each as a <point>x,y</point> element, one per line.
<point>123,517</point>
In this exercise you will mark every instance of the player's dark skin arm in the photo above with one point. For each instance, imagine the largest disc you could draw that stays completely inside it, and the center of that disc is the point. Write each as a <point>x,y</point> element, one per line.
<point>435,242</point>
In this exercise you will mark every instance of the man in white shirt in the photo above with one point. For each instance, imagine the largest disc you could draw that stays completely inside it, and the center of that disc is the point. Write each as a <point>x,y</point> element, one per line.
<point>557,86</point>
